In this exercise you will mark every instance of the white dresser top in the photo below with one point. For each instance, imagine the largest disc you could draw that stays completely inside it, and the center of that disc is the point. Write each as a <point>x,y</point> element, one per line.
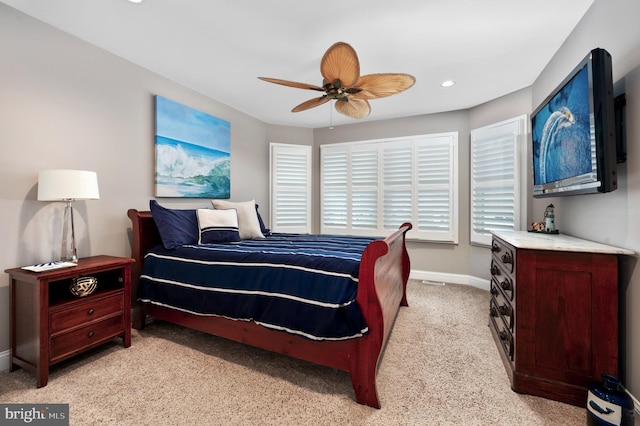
<point>556,242</point>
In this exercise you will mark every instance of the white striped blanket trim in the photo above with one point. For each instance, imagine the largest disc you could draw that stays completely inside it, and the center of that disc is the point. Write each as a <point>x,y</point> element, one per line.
<point>270,326</point>
<point>268,265</point>
<point>251,292</point>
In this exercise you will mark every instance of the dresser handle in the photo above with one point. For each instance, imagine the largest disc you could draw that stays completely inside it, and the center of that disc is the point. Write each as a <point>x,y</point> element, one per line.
<point>507,258</point>
<point>504,335</point>
<point>90,334</point>
<point>506,284</point>
<point>493,311</point>
<point>90,311</point>
<point>495,270</point>
<point>494,291</point>
<point>505,309</point>
<point>495,248</point>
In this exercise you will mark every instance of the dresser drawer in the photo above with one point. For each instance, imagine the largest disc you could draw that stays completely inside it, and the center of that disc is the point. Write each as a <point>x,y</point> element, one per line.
<point>67,344</point>
<point>79,314</point>
<point>502,306</point>
<point>506,284</point>
<point>502,331</point>
<point>503,256</point>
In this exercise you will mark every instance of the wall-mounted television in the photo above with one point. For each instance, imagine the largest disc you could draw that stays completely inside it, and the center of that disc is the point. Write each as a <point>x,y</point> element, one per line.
<point>573,132</point>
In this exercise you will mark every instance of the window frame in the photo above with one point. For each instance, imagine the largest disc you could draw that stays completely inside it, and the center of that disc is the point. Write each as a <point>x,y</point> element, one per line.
<point>450,141</point>
<point>515,130</point>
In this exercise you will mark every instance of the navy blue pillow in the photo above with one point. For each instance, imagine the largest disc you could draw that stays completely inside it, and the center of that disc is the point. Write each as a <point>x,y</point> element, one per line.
<point>265,231</point>
<point>176,227</point>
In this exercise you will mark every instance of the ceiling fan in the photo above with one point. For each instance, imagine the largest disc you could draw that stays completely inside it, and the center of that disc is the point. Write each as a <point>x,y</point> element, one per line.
<point>342,81</point>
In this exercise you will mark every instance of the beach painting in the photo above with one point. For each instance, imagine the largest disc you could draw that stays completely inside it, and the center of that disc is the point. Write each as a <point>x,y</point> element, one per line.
<point>193,152</point>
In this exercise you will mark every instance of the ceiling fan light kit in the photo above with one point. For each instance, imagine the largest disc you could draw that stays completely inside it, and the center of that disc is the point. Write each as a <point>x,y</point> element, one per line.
<point>342,82</point>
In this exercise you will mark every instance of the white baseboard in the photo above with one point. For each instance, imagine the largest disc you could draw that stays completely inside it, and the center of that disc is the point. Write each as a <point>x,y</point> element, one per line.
<point>439,277</point>
<point>5,360</point>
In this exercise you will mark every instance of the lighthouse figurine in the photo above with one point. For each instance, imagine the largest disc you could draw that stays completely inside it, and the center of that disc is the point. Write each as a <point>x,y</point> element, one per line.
<point>549,219</point>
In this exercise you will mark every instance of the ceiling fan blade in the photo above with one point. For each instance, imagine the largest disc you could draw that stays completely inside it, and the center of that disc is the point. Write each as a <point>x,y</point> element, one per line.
<point>354,108</point>
<point>292,84</point>
<point>340,62</point>
<point>380,85</point>
<point>311,103</point>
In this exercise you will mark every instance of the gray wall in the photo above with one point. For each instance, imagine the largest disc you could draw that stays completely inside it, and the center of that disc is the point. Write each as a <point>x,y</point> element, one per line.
<point>610,218</point>
<point>67,104</point>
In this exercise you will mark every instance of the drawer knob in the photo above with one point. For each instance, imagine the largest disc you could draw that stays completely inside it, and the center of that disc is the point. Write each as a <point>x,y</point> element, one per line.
<point>90,334</point>
<point>504,335</point>
<point>493,311</point>
<point>506,284</point>
<point>507,258</point>
<point>505,309</point>
<point>494,291</point>
<point>495,270</point>
<point>90,311</point>
<point>495,248</point>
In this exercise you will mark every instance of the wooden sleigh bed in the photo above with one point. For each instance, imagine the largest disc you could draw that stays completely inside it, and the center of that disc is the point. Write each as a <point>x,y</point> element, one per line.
<point>383,274</point>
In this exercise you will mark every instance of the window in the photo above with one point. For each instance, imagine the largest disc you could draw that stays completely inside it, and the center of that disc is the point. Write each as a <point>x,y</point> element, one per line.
<point>290,188</point>
<point>496,166</point>
<point>373,187</point>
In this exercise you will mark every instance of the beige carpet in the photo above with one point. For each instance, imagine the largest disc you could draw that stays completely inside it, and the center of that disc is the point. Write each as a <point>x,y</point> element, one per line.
<point>440,367</point>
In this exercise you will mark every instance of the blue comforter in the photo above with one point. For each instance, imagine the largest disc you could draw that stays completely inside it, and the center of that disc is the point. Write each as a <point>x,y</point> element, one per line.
<point>302,284</point>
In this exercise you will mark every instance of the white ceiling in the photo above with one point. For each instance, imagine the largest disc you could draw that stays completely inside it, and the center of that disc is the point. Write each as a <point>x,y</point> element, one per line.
<point>219,48</point>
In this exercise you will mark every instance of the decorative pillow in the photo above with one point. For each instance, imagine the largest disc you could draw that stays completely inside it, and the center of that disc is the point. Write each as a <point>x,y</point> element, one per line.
<point>265,231</point>
<point>176,227</point>
<point>247,217</point>
<point>218,226</point>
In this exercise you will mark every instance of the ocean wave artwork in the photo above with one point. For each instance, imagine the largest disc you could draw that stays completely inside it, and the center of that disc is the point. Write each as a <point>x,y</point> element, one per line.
<point>192,152</point>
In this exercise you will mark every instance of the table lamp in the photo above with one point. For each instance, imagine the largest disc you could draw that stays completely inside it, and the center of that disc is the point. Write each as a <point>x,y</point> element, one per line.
<point>68,186</point>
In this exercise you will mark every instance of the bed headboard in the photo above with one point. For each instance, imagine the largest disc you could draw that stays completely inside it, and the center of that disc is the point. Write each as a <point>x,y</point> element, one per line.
<point>144,236</point>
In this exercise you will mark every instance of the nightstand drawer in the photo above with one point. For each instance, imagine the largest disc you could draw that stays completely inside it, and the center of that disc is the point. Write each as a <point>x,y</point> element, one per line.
<point>91,310</point>
<point>67,344</point>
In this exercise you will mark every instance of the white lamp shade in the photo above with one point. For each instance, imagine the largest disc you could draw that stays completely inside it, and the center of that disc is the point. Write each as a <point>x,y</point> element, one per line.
<point>56,185</point>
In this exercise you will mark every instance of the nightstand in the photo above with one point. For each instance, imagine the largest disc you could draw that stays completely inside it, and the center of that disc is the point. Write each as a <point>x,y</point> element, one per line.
<point>49,324</point>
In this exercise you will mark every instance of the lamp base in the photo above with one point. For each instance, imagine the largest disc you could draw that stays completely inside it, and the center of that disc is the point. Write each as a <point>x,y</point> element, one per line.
<point>68,252</point>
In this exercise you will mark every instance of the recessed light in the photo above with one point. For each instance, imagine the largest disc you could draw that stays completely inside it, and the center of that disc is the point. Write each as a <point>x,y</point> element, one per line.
<point>135,1</point>
<point>448,83</point>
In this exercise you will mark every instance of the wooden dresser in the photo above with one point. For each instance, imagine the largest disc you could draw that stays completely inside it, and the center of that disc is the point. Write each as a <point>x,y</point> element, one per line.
<point>554,312</point>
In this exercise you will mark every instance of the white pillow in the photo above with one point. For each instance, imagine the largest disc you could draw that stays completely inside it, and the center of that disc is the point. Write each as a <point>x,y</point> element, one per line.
<point>247,217</point>
<point>217,226</point>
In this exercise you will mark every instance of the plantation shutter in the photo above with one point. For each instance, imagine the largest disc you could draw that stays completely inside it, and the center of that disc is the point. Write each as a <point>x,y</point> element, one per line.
<point>397,171</point>
<point>290,188</point>
<point>335,176</point>
<point>373,187</point>
<point>495,178</point>
<point>364,187</point>
<point>436,186</point>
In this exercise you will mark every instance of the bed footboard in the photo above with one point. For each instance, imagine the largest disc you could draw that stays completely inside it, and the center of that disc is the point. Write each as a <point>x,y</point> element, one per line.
<point>382,289</point>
